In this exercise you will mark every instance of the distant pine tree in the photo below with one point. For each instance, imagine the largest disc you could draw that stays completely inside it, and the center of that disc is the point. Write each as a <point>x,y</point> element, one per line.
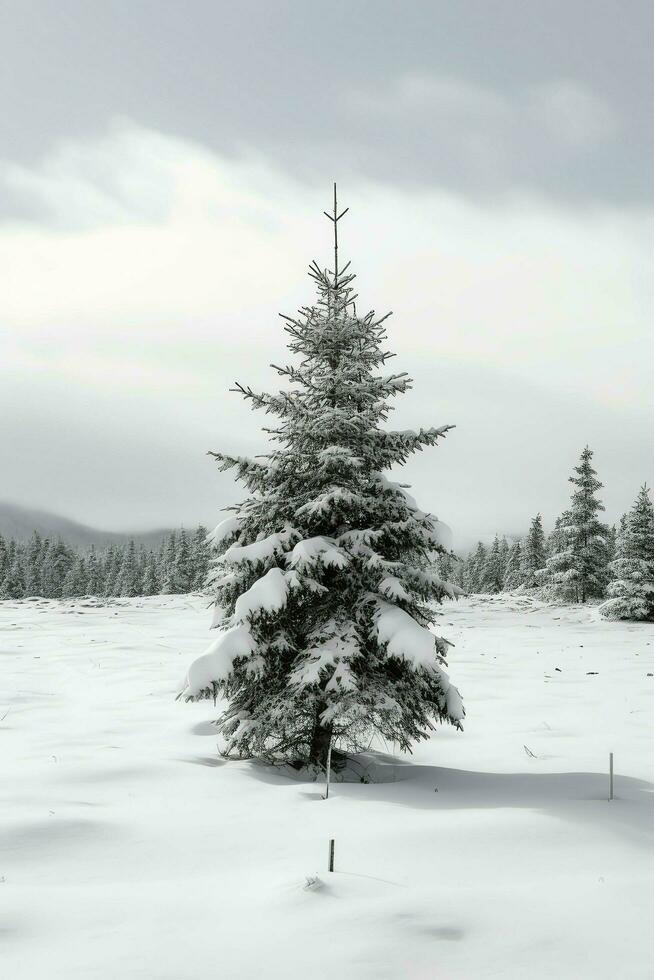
<point>201,557</point>
<point>12,549</point>
<point>151,582</point>
<point>94,576</point>
<point>169,564</point>
<point>75,581</point>
<point>556,541</point>
<point>183,574</point>
<point>513,575</point>
<point>45,552</point>
<point>4,559</point>
<point>13,585</point>
<point>446,566</point>
<point>474,567</point>
<point>129,583</point>
<point>112,567</point>
<point>533,554</point>
<point>56,565</point>
<point>492,572</point>
<point>32,562</point>
<point>631,589</point>
<point>577,572</point>
<point>162,564</point>
<point>69,585</point>
<point>141,565</point>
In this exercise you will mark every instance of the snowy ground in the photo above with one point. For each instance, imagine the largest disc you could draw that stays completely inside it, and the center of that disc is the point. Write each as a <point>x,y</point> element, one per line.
<point>129,850</point>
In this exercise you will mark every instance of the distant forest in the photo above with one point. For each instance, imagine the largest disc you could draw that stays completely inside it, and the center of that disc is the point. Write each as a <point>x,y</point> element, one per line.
<point>52,569</point>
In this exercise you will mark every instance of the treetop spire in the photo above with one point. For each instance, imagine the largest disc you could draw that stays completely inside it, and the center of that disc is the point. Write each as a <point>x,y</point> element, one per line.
<point>335,217</point>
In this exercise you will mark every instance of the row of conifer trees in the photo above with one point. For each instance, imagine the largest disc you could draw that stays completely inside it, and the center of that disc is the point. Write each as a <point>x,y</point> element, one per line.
<point>582,560</point>
<point>54,570</point>
<point>502,566</point>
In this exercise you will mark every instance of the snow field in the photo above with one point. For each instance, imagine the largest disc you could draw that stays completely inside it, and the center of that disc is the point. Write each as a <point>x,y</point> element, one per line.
<point>129,849</point>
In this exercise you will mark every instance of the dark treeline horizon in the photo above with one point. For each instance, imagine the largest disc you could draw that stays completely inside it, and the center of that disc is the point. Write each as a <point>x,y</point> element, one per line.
<point>51,568</point>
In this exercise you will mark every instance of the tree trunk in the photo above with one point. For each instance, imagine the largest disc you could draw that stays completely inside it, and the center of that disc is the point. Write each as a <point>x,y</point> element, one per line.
<point>320,739</point>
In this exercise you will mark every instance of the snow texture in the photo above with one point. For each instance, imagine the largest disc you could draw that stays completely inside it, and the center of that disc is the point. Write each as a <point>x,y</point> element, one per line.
<point>129,849</point>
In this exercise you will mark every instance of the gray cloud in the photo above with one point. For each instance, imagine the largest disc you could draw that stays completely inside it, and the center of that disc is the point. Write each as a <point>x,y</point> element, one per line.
<point>479,98</point>
<point>162,171</point>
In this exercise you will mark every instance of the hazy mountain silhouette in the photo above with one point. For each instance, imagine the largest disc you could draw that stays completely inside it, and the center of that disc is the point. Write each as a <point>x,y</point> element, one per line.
<point>19,523</point>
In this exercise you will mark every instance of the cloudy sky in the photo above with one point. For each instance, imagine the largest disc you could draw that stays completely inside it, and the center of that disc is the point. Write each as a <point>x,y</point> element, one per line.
<point>163,171</point>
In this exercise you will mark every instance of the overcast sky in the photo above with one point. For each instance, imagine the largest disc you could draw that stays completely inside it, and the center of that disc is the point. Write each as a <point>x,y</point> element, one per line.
<point>163,171</point>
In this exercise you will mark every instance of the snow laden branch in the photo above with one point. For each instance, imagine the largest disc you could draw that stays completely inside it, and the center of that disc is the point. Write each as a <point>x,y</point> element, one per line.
<point>326,594</point>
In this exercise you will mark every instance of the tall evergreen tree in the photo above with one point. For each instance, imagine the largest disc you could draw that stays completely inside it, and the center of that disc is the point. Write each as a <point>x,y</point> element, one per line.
<point>56,565</point>
<point>182,575</point>
<point>556,540</point>
<point>112,567</point>
<point>492,573</point>
<point>323,576</point>
<point>43,560</point>
<point>612,544</point>
<point>13,585</point>
<point>578,571</point>
<point>533,554</point>
<point>513,577</point>
<point>151,583</point>
<point>32,564</point>
<point>94,577</point>
<point>162,564</point>
<point>141,565</point>
<point>474,568</point>
<point>12,553</point>
<point>446,565</point>
<point>129,583</point>
<point>505,548</point>
<point>169,564</point>
<point>4,558</point>
<point>631,589</point>
<point>75,581</point>
<point>201,557</point>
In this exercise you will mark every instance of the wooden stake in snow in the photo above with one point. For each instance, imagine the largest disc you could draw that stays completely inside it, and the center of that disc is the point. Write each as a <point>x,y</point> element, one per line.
<point>331,855</point>
<point>610,775</point>
<point>329,769</point>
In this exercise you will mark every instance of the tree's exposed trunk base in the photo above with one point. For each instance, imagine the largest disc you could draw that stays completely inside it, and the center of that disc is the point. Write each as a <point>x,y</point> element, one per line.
<point>320,739</point>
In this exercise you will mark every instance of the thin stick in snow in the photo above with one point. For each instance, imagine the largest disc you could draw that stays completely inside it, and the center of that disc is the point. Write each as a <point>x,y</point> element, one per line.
<point>610,776</point>
<point>330,866</point>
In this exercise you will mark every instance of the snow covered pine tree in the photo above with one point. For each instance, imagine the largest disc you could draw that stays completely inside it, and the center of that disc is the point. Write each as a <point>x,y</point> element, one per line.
<point>577,571</point>
<point>533,553</point>
<point>632,572</point>
<point>324,578</point>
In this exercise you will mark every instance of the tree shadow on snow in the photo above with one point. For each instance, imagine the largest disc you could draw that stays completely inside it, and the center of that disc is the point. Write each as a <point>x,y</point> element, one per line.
<point>212,761</point>
<point>575,796</point>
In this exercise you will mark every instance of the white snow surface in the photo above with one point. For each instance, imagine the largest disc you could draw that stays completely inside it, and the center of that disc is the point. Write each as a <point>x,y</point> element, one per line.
<point>129,848</point>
